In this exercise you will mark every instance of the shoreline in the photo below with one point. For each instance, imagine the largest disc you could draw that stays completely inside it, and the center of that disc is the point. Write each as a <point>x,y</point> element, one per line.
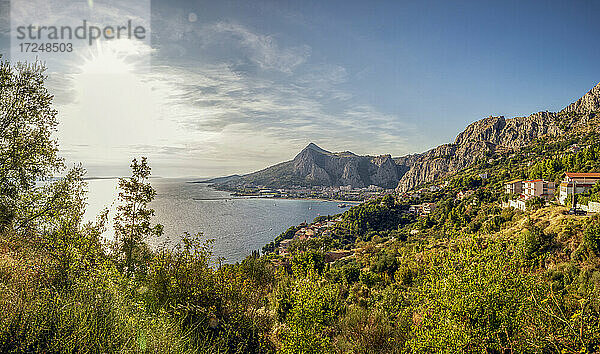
<point>355,202</point>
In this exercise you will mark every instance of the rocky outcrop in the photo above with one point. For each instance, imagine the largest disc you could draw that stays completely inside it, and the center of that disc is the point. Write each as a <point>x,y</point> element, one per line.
<point>383,170</point>
<point>491,134</point>
<point>590,102</point>
<point>442,161</point>
<point>316,166</point>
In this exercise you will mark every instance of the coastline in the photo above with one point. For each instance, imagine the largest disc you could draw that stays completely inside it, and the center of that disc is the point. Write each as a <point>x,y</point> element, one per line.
<point>354,202</point>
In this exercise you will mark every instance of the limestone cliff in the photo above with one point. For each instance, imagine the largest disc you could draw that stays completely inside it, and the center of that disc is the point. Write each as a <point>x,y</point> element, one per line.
<point>590,102</point>
<point>491,134</point>
<point>316,166</point>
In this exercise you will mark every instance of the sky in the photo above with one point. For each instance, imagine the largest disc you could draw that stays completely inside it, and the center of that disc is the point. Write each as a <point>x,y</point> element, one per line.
<point>223,87</point>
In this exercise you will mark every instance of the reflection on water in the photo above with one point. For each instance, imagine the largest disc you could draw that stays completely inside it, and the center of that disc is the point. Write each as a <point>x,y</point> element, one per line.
<point>238,225</point>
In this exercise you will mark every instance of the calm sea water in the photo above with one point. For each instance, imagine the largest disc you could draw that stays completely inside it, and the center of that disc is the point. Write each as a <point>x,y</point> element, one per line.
<point>238,225</point>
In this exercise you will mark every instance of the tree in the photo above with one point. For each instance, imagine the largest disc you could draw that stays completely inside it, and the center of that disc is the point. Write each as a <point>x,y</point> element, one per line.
<point>27,152</point>
<point>308,262</point>
<point>314,305</point>
<point>132,222</point>
<point>535,203</point>
<point>591,235</point>
<point>73,246</point>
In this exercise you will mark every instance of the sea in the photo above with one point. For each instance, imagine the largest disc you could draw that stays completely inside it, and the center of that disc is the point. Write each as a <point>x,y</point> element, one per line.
<point>238,225</point>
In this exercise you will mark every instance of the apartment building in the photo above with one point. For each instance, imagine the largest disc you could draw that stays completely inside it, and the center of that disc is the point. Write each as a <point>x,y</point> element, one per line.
<point>576,183</point>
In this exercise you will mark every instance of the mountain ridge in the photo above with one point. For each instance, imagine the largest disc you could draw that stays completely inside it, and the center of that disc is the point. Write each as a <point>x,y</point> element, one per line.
<point>484,137</point>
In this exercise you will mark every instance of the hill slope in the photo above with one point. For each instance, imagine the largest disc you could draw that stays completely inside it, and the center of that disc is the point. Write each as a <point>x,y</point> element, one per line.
<point>316,166</point>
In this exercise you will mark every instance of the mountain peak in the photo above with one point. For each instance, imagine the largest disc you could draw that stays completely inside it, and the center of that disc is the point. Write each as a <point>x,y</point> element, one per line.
<point>315,147</point>
<point>590,102</point>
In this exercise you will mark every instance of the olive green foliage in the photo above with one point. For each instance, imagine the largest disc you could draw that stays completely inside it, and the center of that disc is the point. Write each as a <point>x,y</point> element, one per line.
<point>535,203</point>
<point>381,214</point>
<point>533,243</point>
<point>314,306</point>
<point>310,261</point>
<point>591,235</point>
<point>132,222</point>
<point>216,308</point>
<point>27,152</point>
<point>466,182</point>
<point>552,169</point>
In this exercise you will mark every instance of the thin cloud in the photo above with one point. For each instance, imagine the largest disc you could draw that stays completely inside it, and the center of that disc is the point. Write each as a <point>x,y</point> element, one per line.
<point>261,49</point>
<point>238,107</point>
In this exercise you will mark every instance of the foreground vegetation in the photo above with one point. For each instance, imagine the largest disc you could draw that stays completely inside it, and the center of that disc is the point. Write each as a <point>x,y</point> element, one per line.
<point>470,277</point>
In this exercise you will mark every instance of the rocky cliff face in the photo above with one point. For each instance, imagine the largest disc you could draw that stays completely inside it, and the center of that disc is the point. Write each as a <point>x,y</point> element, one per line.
<point>490,134</point>
<point>512,133</point>
<point>316,166</point>
<point>479,139</point>
<point>590,102</point>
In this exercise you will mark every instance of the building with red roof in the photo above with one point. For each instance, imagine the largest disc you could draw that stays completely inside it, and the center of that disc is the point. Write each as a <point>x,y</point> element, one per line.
<point>576,183</point>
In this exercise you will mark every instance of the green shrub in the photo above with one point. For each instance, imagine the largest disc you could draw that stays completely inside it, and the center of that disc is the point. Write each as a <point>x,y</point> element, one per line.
<point>591,235</point>
<point>533,243</point>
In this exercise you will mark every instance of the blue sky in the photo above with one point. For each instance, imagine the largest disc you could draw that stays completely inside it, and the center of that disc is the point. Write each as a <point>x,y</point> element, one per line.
<point>249,83</point>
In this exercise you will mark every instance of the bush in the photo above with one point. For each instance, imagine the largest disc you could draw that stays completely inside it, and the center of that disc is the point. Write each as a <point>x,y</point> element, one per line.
<point>591,235</point>
<point>535,203</point>
<point>314,306</point>
<point>533,243</point>
<point>308,262</point>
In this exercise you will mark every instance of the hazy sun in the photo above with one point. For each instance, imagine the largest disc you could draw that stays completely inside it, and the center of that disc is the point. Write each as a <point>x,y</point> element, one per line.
<point>104,59</point>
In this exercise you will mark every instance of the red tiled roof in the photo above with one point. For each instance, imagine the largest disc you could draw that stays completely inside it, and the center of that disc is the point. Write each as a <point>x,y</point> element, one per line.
<point>582,175</point>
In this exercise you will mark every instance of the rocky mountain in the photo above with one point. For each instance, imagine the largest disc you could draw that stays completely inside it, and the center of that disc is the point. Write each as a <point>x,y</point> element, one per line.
<point>316,166</point>
<point>480,139</point>
<point>488,135</point>
<point>485,137</point>
<point>590,102</point>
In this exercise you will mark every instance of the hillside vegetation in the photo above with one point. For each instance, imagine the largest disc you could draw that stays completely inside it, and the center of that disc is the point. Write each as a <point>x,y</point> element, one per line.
<point>469,277</point>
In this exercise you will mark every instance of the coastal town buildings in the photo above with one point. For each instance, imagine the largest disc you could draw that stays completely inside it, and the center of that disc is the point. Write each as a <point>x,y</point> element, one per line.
<point>525,190</point>
<point>576,183</point>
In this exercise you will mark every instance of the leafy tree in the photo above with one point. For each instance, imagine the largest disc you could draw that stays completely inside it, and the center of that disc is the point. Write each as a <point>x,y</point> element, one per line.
<point>386,263</point>
<point>27,152</point>
<point>315,305</point>
<point>533,243</point>
<point>308,262</point>
<point>132,222</point>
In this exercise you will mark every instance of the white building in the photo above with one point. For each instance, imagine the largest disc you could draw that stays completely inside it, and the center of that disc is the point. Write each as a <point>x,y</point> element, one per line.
<point>576,183</point>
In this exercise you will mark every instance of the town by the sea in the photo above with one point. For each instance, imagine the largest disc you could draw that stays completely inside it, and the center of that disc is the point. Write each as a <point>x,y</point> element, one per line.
<point>238,225</point>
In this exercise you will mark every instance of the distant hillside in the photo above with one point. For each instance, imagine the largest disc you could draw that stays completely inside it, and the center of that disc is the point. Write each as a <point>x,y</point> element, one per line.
<point>481,139</point>
<point>221,179</point>
<point>316,166</point>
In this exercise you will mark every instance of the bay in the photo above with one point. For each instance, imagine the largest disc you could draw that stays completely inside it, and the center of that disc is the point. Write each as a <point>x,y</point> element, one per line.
<point>238,225</point>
